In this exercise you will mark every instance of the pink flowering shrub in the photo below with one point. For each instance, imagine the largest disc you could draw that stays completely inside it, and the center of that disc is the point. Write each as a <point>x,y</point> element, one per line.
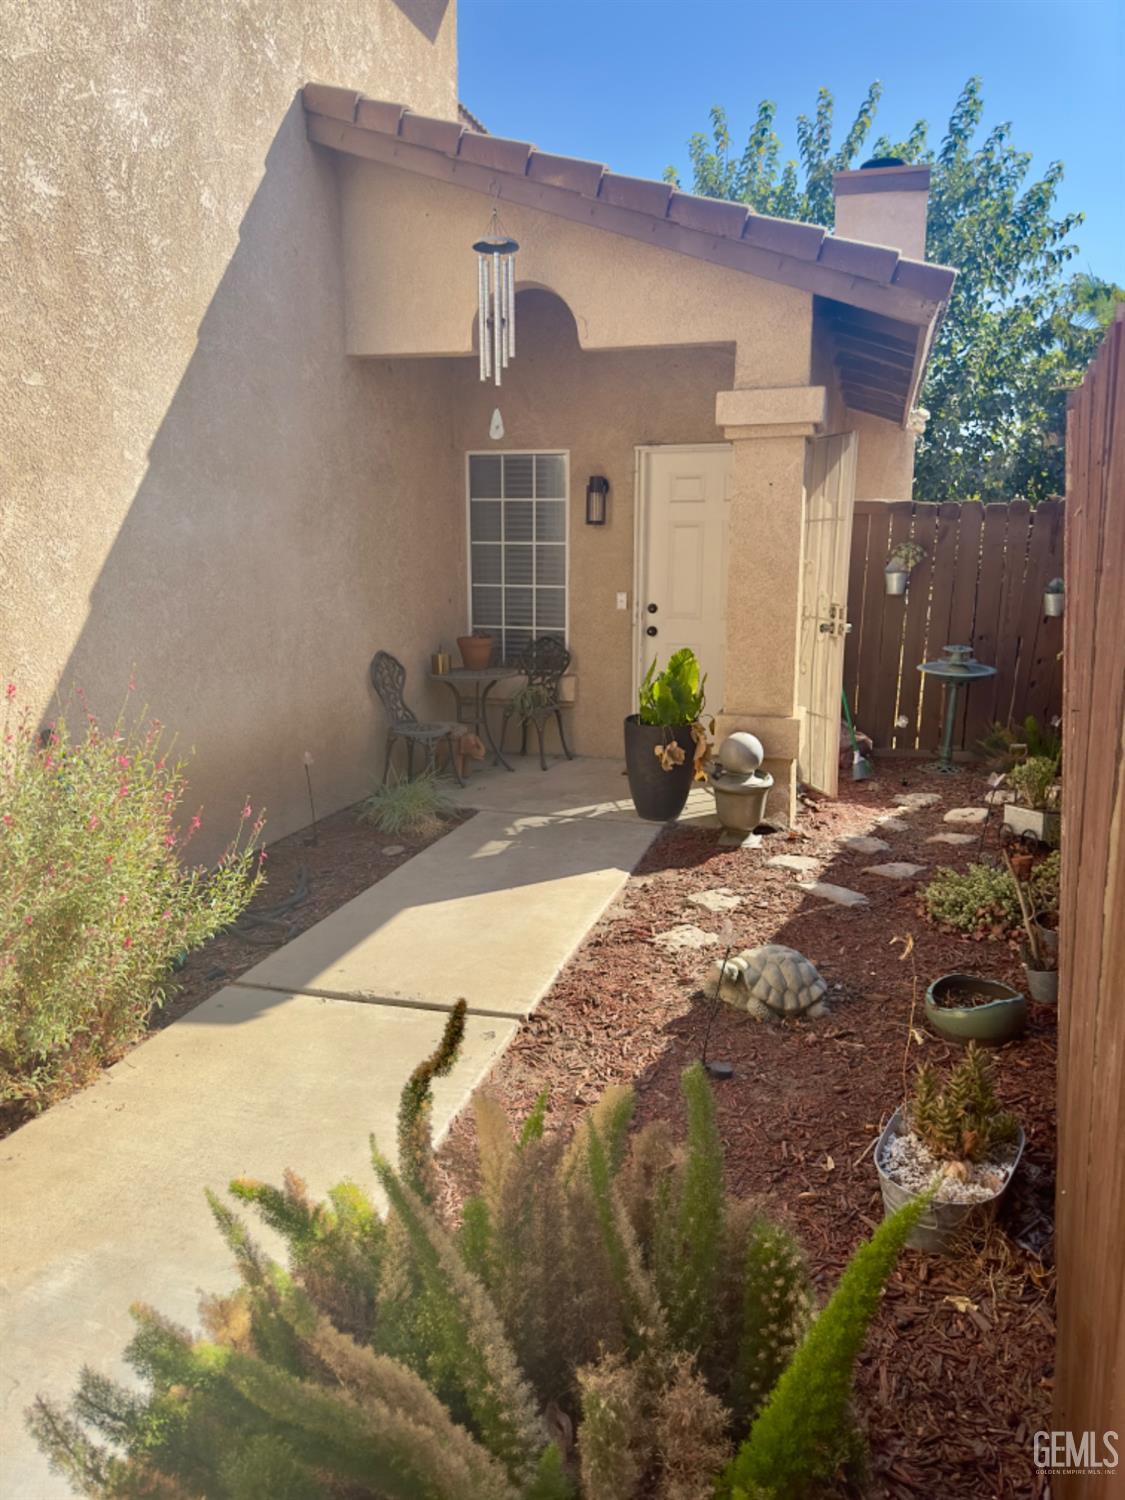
<point>97,899</point>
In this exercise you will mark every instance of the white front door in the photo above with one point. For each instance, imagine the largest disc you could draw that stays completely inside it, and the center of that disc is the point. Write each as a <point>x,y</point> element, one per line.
<point>682,579</point>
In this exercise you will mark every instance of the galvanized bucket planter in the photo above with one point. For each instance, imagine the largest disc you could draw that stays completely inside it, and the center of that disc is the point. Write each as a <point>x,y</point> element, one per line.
<point>1042,985</point>
<point>940,1225</point>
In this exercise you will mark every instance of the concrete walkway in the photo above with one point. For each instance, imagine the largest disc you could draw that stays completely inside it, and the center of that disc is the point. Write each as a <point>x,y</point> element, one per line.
<point>293,1066</point>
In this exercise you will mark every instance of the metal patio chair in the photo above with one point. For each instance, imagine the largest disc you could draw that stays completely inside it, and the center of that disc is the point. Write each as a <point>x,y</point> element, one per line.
<point>388,678</point>
<point>544,664</point>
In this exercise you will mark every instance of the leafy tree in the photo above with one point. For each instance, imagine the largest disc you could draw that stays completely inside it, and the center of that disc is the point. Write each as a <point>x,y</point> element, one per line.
<point>1018,333</point>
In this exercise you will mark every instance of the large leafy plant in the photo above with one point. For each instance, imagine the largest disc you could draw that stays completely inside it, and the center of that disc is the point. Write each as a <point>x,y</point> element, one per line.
<point>674,697</point>
<point>97,895</point>
<point>604,1323</point>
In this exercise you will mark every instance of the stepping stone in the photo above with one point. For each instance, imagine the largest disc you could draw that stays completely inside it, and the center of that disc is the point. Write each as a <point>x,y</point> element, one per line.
<point>732,839</point>
<point>804,864</point>
<point>999,795</point>
<point>839,894</point>
<point>722,898</point>
<point>914,800</point>
<point>952,838</point>
<point>684,939</point>
<point>971,817</point>
<point>861,844</point>
<point>896,870</point>
<point>894,825</point>
<point>390,850</point>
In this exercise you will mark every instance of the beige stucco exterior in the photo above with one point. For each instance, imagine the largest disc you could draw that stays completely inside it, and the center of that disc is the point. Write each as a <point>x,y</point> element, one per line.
<point>599,406</point>
<point>238,387</point>
<point>197,482</point>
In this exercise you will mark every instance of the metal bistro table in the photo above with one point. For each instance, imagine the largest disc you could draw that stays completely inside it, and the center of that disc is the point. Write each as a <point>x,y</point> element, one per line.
<point>470,687</point>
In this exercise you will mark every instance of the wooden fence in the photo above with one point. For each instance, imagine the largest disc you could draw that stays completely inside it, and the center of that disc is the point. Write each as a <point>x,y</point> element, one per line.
<point>981,581</point>
<point>1090,1228</point>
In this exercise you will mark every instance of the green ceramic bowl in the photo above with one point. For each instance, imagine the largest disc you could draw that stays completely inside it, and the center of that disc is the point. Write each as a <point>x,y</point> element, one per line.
<point>1001,1016</point>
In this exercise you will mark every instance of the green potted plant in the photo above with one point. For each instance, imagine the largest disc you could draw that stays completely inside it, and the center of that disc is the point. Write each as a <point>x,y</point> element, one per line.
<point>955,1135</point>
<point>905,557</point>
<point>1035,782</point>
<point>666,744</point>
<point>476,650</point>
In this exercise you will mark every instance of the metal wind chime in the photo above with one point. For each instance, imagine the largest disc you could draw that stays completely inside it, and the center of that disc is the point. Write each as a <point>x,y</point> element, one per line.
<point>496,282</point>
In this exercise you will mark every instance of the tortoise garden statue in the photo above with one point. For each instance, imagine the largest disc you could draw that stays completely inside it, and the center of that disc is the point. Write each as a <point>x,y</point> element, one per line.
<point>770,982</point>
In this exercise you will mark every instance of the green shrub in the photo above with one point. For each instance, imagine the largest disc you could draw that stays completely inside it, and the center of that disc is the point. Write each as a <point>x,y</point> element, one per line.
<point>1034,779</point>
<point>804,1436</point>
<point>96,902</point>
<point>983,900</point>
<point>997,744</point>
<point>529,1355</point>
<point>978,901</point>
<point>416,807</point>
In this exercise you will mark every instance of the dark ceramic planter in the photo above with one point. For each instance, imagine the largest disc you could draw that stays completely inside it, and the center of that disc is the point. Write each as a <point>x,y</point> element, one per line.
<point>658,795</point>
<point>1002,1017</point>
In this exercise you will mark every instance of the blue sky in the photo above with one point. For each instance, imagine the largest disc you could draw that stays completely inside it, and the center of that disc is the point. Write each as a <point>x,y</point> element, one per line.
<point>627,81</point>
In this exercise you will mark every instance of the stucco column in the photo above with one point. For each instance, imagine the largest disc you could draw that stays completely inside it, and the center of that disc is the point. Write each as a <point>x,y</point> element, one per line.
<point>768,431</point>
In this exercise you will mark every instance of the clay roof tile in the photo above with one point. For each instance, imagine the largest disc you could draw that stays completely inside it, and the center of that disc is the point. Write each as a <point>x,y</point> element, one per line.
<point>437,135</point>
<point>566,172</point>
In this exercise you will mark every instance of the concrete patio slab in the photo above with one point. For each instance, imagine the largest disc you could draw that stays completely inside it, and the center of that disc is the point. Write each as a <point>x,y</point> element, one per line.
<point>580,788</point>
<point>103,1195</point>
<point>490,913</point>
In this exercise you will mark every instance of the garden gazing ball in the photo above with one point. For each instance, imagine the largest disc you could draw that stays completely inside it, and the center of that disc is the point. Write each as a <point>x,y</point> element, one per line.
<point>741,753</point>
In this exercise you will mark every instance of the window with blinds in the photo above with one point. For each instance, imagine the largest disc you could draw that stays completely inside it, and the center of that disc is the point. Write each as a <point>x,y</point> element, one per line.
<point>517,547</point>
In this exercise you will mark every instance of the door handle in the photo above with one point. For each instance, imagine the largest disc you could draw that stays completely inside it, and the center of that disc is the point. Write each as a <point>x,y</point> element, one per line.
<point>651,630</point>
<point>651,609</point>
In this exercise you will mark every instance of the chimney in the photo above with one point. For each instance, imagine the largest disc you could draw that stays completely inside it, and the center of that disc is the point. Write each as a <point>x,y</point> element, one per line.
<point>884,203</point>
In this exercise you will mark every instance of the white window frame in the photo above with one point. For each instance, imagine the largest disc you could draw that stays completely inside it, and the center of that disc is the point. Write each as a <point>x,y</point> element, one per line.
<point>564,454</point>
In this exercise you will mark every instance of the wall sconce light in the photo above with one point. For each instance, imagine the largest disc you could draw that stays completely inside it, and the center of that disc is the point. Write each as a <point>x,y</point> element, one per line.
<point>597,503</point>
<point>1053,598</point>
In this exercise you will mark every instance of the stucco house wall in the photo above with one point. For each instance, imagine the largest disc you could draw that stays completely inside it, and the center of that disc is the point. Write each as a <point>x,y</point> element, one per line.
<point>198,484</point>
<point>600,406</point>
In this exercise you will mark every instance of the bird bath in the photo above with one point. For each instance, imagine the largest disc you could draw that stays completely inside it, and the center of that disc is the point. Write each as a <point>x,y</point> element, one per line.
<point>957,669</point>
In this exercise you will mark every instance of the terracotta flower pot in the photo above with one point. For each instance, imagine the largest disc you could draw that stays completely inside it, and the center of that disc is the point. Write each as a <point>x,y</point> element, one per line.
<point>476,651</point>
<point>658,795</point>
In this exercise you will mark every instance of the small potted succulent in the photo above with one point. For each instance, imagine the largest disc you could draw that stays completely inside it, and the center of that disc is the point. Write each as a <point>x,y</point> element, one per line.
<point>476,650</point>
<point>955,1135</point>
<point>1035,782</point>
<point>905,557</point>
<point>666,742</point>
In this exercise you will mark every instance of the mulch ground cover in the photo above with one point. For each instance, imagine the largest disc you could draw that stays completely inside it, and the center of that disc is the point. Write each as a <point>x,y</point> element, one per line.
<point>310,880</point>
<point>957,1373</point>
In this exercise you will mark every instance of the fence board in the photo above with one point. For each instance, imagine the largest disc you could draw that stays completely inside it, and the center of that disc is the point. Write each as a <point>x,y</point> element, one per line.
<point>866,690</point>
<point>1090,1227</point>
<point>917,619</point>
<point>981,581</point>
<point>981,711</point>
<point>857,566</point>
<point>937,634</point>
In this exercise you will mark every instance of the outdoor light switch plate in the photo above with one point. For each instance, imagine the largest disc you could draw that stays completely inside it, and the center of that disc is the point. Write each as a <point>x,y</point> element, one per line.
<point>623,601</point>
